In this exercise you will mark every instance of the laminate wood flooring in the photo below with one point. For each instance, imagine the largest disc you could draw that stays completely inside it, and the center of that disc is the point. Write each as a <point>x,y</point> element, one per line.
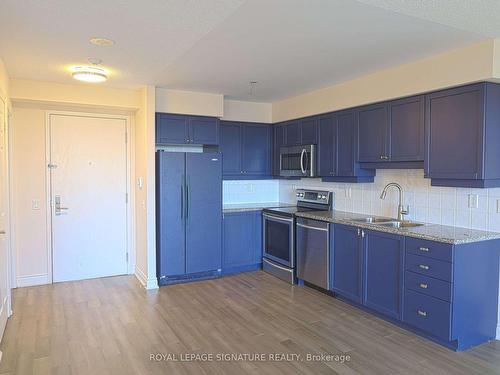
<point>114,326</point>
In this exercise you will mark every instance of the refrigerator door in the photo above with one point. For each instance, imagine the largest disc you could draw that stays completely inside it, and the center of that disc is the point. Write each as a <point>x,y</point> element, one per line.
<point>170,211</point>
<point>203,212</point>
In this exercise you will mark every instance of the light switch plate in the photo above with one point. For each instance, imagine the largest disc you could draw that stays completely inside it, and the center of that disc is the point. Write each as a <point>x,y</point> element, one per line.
<point>35,204</point>
<point>473,200</point>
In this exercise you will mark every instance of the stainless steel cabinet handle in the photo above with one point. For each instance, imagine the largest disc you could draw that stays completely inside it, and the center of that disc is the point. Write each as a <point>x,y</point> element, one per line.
<point>359,232</point>
<point>423,285</point>
<point>423,266</point>
<point>278,218</point>
<point>381,157</point>
<point>310,227</point>
<point>187,198</point>
<point>182,201</point>
<point>422,313</point>
<point>426,249</point>
<point>362,234</point>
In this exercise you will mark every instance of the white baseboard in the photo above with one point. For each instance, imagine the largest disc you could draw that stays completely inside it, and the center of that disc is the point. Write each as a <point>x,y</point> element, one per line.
<point>147,283</point>
<point>32,280</point>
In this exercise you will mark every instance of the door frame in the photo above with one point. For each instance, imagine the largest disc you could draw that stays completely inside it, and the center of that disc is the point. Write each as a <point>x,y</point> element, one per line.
<point>130,232</point>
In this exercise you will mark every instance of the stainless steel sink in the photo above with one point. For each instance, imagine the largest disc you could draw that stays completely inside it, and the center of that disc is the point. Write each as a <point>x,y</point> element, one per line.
<point>401,224</point>
<point>374,220</point>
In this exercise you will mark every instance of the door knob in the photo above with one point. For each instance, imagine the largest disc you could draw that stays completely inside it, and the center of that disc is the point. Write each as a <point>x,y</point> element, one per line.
<point>58,208</point>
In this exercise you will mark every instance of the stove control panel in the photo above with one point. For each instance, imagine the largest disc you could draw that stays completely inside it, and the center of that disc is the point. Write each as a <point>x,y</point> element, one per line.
<point>314,196</point>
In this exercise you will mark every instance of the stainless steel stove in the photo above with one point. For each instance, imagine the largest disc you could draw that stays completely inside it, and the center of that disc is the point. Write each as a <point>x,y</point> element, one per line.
<point>279,232</point>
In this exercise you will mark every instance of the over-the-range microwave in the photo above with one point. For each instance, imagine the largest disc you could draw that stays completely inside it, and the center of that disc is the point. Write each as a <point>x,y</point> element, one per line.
<point>298,161</point>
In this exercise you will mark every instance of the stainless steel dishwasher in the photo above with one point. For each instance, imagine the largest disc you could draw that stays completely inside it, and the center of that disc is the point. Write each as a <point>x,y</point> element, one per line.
<point>312,249</point>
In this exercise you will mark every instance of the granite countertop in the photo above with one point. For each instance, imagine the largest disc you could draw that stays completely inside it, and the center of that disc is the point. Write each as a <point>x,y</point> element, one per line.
<point>433,232</point>
<point>241,207</point>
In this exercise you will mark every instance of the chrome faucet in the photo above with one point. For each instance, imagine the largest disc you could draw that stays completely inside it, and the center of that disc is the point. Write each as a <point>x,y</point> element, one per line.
<point>401,210</point>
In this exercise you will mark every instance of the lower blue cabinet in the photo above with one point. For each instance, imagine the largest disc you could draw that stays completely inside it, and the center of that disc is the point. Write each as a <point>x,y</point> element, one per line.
<point>383,272</point>
<point>347,262</point>
<point>242,241</point>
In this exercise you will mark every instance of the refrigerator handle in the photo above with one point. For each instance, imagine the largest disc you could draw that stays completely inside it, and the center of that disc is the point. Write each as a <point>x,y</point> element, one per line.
<point>187,198</point>
<point>182,197</point>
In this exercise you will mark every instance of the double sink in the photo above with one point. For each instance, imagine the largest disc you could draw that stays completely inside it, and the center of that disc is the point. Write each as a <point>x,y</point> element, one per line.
<point>388,222</point>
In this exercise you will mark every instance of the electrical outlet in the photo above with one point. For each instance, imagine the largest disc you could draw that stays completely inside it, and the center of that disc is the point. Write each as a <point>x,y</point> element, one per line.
<point>473,200</point>
<point>35,204</point>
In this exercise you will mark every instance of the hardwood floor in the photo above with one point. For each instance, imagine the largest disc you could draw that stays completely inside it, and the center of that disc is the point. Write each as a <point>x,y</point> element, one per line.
<point>112,326</point>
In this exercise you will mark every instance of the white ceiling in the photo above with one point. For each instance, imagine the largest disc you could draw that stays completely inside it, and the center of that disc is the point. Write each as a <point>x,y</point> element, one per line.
<point>288,46</point>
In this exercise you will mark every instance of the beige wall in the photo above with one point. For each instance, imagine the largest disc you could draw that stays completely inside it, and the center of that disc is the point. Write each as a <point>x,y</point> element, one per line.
<point>4,81</point>
<point>28,183</point>
<point>237,110</point>
<point>469,64</point>
<point>84,95</point>
<point>145,222</point>
<point>189,103</point>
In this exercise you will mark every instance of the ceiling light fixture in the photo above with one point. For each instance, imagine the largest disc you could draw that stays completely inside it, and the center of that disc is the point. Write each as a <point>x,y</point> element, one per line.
<point>89,74</point>
<point>102,42</point>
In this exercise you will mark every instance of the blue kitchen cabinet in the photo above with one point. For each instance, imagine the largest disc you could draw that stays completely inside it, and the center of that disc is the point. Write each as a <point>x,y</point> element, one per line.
<point>383,272</point>
<point>309,130</point>
<point>242,241</point>
<point>337,161</point>
<point>373,133</point>
<point>278,142</point>
<point>407,129</point>
<point>293,133</point>
<point>463,136</point>
<point>173,129</point>
<point>247,150</point>
<point>347,262</point>
<point>327,146</point>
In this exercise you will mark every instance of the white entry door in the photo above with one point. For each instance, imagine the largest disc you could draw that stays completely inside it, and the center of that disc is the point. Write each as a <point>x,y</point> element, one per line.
<point>4,257</point>
<point>88,167</point>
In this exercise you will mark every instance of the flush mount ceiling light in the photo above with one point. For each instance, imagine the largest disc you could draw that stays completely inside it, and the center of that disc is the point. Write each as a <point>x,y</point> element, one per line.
<point>102,42</point>
<point>89,74</point>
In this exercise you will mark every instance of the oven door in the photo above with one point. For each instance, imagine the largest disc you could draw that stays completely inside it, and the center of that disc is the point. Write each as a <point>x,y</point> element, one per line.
<point>278,239</point>
<point>298,161</point>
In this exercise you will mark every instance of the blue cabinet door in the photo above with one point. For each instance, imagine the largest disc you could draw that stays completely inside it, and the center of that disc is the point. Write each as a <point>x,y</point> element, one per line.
<point>256,149</point>
<point>293,134</point>
<point>346,144</point>
<point>347,262</point>
<point>239,238</point>
<point>203,212</point>
<point>407,129</point>
<point>383,272</point>
<point>170,190</point>
<point>278,142</point>
<point>172,129</point>
<point>309,131</point>
<point>373,130</point>
<point>327,145</point>
<point>230,148</point>
<point>454,131</point>
<point>204,130</point>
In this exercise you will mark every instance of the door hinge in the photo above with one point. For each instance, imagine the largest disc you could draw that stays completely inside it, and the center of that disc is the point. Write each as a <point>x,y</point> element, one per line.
<point>52,166</point>
<point>126,257</point>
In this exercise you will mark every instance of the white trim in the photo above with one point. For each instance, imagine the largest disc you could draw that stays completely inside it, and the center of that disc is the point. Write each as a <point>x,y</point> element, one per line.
<point>498,332</point>
<point>147,283</point>
<point>130,229</point>
<point>32,280</point>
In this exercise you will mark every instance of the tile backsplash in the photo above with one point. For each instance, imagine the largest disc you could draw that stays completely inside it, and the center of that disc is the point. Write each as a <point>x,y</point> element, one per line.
<point>438,205</point>
<point>430,204</point>
<point>250,191</point>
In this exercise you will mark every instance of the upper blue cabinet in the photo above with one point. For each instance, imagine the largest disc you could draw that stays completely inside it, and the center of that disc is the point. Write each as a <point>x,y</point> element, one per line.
<point>246,150</point>
<point>301,132</point>
<point>463,136</point>
<point>337,160</point>
<point>174,129</point>
<point>391,134</point>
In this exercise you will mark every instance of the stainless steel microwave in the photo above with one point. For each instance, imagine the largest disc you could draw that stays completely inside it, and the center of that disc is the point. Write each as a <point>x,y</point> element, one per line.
<point>298,161</point>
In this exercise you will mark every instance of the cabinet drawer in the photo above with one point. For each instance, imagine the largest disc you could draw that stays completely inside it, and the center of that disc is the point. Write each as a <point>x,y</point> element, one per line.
<point>428,314</point>
<point>428,285</point>
<point>429,267</point>
<point>431,249</point>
